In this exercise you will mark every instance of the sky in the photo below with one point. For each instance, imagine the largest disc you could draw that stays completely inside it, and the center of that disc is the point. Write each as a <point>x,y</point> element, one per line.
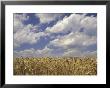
<point>54,34</point>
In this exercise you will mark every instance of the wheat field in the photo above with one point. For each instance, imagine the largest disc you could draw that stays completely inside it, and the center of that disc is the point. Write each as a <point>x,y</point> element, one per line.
<point>55,66</point>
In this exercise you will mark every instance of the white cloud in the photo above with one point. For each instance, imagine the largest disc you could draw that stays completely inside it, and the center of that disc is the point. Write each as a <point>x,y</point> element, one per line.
<point>72,52</point>
<point>47,17</point>
<point>77,38</point>
<point>33,53</point>
<point>81,40</point>
<point>89,22</point>
<point>71,23</point>
<point>18,21</point>
<point>25,36</point>
<point>44,52</point>
<point>76,52</point>
<point>74,23</point>
<point>23,33</point>
<point>90,25</point>
<point>24,53</point>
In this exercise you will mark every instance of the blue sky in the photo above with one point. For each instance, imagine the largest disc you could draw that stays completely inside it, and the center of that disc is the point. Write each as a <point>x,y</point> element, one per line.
<point>55,34</point>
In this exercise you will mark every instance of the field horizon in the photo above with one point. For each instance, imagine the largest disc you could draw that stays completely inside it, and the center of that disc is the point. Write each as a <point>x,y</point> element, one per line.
<point>55,43</point>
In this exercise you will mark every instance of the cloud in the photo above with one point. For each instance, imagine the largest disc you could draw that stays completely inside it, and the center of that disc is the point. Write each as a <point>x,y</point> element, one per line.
<point>83,34</point>
<point>74,23</point>
<point>76,52</point>
<point>90,25</point>
<point>33,53</point>
<point>27,36</point>
<point>70,36</point>
<point>25,33</point>
<point>74,39</point>
<point>25,53</point>
<point>44,52</point>
<point>71,23</point>
<point>47,17</point>
<point>18,21</point>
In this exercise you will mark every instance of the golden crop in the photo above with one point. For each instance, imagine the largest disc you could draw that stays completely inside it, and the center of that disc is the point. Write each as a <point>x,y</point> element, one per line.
<point>55,66</point>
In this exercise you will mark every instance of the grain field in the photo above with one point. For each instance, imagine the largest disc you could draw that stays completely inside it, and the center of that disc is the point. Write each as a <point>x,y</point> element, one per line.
<point>55,66</point>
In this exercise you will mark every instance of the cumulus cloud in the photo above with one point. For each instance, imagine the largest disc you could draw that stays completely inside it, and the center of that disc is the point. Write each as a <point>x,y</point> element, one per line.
<point>24,53</point>
<point>44,52</point>
<point>74,39</point>
<point>18,21</point>
<point>47,17</point>
<point>25,36</point>
<point>70,36</point>
<point>74,23</point>
<point>77,52</point>
<point>74,44</point>
<point>25,33</point>
<point>71,23</point>
<point>33,53</point>
<point>83,34</point>
<point>90,25</point>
